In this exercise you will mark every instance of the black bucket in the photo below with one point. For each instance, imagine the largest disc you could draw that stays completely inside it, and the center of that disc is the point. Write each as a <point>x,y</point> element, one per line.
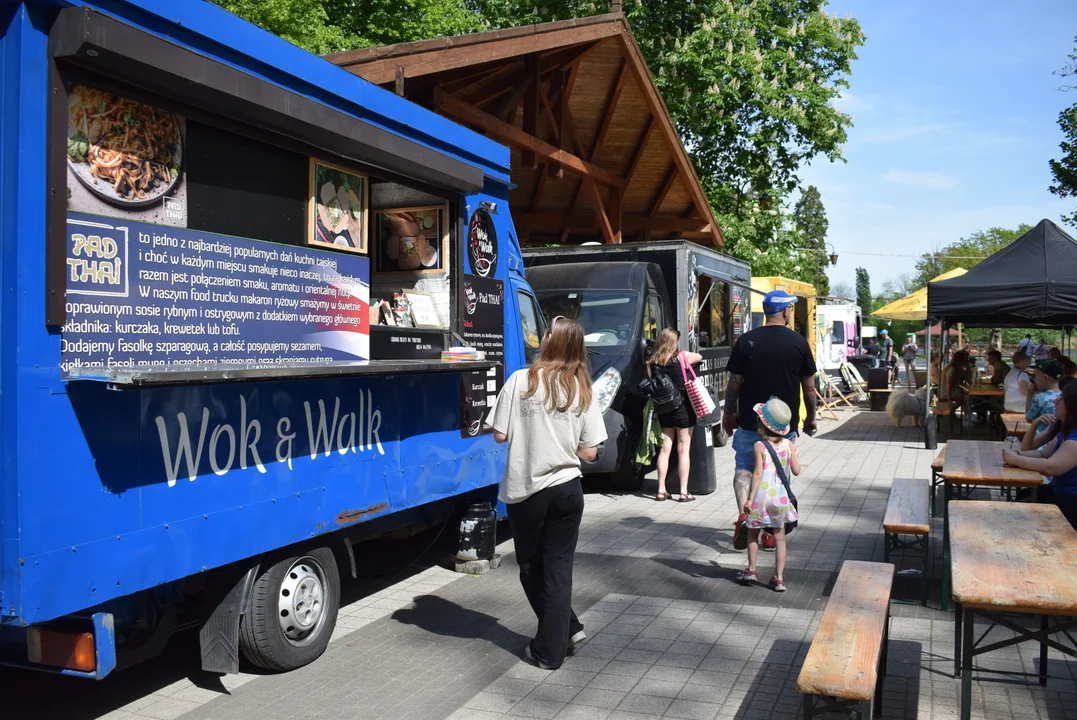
<point>478,529</point>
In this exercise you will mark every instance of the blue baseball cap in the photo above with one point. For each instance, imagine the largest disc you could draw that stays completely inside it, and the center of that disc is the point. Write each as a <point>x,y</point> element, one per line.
<point>777,300</point>
<point>884,331</point>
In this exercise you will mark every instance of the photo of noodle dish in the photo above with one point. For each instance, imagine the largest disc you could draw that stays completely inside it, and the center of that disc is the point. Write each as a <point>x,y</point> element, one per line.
<point>126,153</point>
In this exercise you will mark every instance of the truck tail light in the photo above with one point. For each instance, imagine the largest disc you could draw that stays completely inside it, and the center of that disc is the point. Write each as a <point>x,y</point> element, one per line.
<point>55,648</point>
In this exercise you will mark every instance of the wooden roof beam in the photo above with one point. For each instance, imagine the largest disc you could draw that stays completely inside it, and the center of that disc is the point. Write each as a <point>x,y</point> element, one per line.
<point>454,107</point>
<point>611,106</point>
<point>659,111</point>
<point>601,217</point>
<point>551,222</point>
<point>671,178</point>
<point>507,79</point>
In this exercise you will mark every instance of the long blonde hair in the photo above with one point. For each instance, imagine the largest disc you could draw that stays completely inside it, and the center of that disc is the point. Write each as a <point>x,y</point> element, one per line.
<point>665,348</point>
<point>563,368</point>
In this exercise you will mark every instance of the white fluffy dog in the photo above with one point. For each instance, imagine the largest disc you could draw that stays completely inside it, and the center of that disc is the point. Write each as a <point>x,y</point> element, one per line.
<point>902,403</point>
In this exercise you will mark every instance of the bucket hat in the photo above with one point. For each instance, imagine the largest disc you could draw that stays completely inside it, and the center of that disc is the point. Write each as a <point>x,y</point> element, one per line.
<point>775,416</point>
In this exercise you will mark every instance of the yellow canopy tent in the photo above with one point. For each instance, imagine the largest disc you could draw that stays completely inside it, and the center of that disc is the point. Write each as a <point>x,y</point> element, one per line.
<point>913,306</point>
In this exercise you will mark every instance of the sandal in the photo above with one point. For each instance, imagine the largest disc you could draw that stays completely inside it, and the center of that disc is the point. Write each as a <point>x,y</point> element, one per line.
<point>777,584</point>
<point>661,496</point>
<point>747,577</point>
<point>686,497</point>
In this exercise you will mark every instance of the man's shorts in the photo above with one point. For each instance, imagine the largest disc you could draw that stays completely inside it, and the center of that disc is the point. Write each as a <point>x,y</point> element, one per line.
<point>744,446</point>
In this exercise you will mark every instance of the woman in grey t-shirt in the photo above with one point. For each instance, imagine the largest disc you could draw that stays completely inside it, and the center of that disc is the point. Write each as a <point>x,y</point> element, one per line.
<point>546,416</point>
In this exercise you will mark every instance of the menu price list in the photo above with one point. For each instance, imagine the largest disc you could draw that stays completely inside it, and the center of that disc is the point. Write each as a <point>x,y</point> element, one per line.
<point>140,294</point>
<point>483,329</point>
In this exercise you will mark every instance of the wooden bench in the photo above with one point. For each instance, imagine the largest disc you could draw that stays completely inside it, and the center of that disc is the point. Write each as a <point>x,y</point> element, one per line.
<point>936,477</point>
<point>846,663</point>
<point>908,513</point>
<point>1014,424</point>
<point>945,408</point>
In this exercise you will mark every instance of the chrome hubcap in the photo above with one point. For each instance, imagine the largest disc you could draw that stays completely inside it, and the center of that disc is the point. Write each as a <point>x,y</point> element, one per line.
<point>301,602</point>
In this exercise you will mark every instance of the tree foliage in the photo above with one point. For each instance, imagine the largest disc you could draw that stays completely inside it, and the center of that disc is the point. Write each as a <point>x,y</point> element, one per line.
<point>863,291</point>
<point>1064,170</point>
<point>964,253</point>
<point>810,226</point>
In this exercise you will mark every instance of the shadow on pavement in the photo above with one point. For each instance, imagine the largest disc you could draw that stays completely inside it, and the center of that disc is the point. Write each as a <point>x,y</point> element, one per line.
<point>443,617</point>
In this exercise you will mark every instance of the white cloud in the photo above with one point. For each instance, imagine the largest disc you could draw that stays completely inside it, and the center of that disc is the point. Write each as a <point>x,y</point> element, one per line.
<point>927,180</point>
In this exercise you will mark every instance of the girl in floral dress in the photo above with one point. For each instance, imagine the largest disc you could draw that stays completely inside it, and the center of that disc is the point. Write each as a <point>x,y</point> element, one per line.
<point>769,506</point>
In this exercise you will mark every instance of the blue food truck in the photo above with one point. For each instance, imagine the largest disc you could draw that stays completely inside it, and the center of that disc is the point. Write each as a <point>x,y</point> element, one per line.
<point>233,279</point>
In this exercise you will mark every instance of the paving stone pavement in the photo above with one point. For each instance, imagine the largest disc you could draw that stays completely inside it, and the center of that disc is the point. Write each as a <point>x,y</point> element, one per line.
<point>671,633</point>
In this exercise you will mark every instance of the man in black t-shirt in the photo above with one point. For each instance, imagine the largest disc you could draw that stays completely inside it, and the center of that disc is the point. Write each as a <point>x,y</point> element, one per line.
<point>770,361</point>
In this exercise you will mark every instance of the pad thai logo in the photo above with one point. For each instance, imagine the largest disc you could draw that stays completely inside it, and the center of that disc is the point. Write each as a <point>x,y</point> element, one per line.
<point>482,243</point>
<point>96,259</point>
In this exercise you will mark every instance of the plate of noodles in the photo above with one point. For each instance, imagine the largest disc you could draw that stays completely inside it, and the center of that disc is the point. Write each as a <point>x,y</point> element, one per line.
<point>127,153</point>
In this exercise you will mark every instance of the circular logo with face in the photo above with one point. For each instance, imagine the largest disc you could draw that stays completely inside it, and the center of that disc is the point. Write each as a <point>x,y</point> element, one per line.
<point>482,243</point>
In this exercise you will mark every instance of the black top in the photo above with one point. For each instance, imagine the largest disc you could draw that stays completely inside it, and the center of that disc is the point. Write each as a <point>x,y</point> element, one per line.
<point>772,359</point>
<point>672,370</point>
<point>873,349</point>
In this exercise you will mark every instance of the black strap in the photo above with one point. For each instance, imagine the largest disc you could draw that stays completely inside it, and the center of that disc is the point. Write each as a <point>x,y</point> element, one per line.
<point>778,467</point>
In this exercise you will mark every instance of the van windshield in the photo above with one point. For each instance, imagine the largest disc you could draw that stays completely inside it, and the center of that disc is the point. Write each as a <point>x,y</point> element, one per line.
<point>608,318</point>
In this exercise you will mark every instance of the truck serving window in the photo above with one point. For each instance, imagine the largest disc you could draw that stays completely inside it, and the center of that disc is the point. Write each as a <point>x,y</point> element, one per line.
<point>714,318</point>
<point>531,326</point>
<point>608,318</point>
<point>838,333</point>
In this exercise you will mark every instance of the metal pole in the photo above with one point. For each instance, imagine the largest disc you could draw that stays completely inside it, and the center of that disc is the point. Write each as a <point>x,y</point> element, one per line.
<point>930,429</point>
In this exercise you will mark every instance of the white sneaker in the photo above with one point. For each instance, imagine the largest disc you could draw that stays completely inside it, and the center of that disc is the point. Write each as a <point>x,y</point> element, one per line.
<point>575,641</point>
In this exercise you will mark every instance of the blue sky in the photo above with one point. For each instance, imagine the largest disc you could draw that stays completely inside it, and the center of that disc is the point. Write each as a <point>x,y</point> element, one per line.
<point>955,118</point>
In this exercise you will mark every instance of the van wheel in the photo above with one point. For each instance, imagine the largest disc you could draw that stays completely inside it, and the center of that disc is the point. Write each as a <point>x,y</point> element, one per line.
<point>291,612</point>
<point>719,437</point>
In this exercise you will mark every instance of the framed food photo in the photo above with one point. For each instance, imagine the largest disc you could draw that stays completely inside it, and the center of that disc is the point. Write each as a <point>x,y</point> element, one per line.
<point>414,241</point>
<point>337,208</point>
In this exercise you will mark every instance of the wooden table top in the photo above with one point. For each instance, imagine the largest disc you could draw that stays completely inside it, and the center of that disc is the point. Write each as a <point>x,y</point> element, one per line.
<point>979,462</point>
<point>940,461</point>
<point>844,655</point>
<point>1019,557</point>
<point>1015,423</point>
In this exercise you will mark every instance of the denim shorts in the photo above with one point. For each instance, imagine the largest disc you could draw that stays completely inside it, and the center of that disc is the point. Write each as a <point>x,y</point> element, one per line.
<point>744,446</point>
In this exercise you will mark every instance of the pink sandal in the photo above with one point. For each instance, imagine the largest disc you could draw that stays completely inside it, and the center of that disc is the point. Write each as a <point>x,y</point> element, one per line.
<point>747,577</point>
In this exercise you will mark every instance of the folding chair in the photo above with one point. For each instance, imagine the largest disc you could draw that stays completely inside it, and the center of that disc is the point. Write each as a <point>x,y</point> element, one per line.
<point>832,390</point>
<point>826,404</point>
<point>855,380</point>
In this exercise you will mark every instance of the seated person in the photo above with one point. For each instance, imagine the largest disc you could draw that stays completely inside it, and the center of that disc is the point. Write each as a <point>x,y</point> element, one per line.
<point>999,369</point>
<point>1058,459</point>
<point>1044,392</point>
<point>956,374</point>
<point>1017,384</point>
<point>1034,441</point>
<point>1069,368</point>
<point>1054,353</point>
<point>874,350</point>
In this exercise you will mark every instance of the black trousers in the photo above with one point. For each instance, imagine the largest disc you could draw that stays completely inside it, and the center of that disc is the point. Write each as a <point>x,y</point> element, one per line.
<point>545,528</point>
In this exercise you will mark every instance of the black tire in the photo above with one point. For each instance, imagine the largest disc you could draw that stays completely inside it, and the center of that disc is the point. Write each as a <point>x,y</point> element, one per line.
<point>262,639</point>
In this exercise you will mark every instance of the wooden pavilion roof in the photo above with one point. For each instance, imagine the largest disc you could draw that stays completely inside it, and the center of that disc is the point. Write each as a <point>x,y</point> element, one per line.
<point>594,150</point>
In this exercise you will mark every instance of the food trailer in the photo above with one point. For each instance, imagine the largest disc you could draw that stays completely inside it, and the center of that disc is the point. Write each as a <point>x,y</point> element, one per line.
<point>837,335</point>
<point>625,295</point>
<point>256,310</point>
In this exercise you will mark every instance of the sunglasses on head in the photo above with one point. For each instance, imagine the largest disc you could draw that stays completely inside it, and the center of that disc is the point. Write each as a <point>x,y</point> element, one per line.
<point>554,321</point>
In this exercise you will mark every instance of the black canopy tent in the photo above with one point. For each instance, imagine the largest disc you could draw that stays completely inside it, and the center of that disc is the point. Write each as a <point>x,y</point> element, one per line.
<point>1030,283</point>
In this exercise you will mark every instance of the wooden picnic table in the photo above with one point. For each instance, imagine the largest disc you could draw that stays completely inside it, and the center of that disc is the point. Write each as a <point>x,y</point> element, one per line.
<point>986,390</point>
<point>1011,558</point>
<point>970,464</point>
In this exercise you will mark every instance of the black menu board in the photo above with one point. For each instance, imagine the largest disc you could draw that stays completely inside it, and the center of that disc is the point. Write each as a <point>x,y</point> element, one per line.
<point>483,310</point>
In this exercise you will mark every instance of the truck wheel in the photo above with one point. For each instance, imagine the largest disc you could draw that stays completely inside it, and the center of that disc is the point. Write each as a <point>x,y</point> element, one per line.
<point>291,612</point>
<point>719,437</point>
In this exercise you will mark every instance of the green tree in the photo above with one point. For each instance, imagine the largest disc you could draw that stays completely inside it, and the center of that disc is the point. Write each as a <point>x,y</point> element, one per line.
<point>863,291</point>
<point>810,224</point>
<point>324,26</point>
<point>964,253</point>
<point>1064,171</point>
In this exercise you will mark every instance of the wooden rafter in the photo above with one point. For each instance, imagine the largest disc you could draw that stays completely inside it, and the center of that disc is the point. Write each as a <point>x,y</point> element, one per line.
<point>667,185</point>
<point>601,217</point>
<point>611,107</point>
<point>507,79</point>
<point>637,154</point>
<point>456,108</point>
<point>550,222</point>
